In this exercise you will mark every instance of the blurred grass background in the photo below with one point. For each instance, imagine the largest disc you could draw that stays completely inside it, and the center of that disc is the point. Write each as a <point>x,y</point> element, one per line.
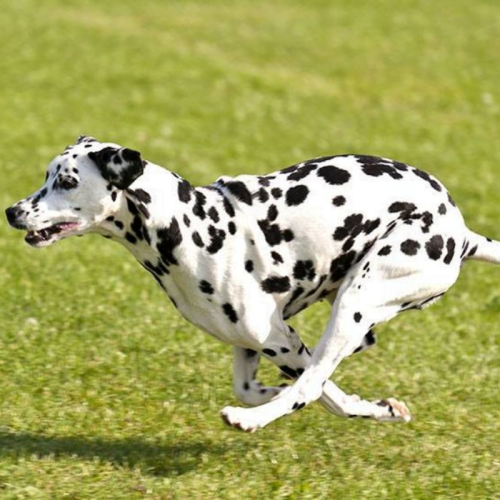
<point>106,392</point>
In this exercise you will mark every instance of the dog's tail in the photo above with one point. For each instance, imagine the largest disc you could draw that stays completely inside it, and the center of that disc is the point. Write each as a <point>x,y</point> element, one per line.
<point>478,247</point>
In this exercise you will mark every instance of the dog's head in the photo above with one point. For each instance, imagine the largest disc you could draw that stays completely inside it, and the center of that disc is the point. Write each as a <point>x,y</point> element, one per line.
<point>81,189</point>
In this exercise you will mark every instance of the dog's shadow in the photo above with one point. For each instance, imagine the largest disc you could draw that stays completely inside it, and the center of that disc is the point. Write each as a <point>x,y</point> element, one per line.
<point>153,458</point>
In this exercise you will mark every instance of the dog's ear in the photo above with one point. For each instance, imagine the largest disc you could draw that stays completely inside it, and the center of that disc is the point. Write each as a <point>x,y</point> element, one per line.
<point>120,167</point>
<point>85,138</point>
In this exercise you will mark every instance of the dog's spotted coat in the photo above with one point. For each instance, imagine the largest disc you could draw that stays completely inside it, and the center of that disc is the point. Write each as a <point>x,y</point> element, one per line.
<point>373,236</point>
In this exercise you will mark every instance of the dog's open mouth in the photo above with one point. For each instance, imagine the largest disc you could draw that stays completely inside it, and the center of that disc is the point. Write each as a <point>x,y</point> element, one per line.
<point>49,234</point>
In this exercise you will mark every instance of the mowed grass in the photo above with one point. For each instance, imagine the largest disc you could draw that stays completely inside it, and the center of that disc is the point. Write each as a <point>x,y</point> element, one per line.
<point>105,392</point>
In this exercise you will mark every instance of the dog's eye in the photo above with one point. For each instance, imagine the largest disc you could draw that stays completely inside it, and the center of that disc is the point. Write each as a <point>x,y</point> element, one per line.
<point>68,183</point>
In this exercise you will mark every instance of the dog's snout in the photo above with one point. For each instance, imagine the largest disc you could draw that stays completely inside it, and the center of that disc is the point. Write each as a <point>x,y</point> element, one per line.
<point>13,213</point>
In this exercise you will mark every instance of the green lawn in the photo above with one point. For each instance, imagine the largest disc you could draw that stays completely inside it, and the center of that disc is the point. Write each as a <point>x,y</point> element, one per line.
<point>106,393</point>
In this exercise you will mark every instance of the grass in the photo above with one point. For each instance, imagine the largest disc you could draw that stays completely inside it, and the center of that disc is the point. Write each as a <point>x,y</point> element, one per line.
<point>106,392</point>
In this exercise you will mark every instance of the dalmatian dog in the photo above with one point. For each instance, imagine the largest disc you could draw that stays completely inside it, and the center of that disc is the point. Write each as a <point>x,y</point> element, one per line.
<point>372,236</point>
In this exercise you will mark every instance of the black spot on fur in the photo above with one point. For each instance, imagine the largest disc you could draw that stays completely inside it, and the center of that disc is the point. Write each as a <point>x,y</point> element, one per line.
<point>370,225</point>
<point>450,250</point>
<point>141,195</point>
<point>157,270</point>
<point>341,265</point>
<point>130,238</point>
<point>272,232</point>
<point>228,207</point>
<point>389,229</point>
<point>426,177</point>
<point>348,244</point>
<point>367,159</point>
<point>217,237</point>
<point>272,213</point>
<point>231,227</point>
<point>410,247</point>
<point>249,266</point>
<point>187,222</point>
<point>119,224</point>
<point>230,312</point>
<point>304,269</point>
<point>198,209</point>
<point>386,250</point>
<point>338,201</point>
<point>442,209</point>
<point>263,195</point>
<point>427,221</point>
<point>352,226</point>
<point>402,206</point>
<point>358,317</point>
<point>132,207</point>
<point>289,169</point>
<point>239,190</point>
<point>276,284</point>
<point>301,172</point>
<point>296,195</point>
<point>288,371</point>
<point>269,352</point>
<point>197,239</point>
<point>206,287</point>
<point>376,167</point>
<point>137,227</point>
<point>473,251</point>
<point>278,259</point>
<point>465,247</point>
<point>213,214</point>
<point>334,175</point>
<point>400,166</point>
<point>434,247</point>
<point>277,193</point>
<point>169,238</point>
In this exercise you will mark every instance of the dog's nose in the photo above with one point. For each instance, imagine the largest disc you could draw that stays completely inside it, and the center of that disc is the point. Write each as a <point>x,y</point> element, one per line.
<point>12,214</point>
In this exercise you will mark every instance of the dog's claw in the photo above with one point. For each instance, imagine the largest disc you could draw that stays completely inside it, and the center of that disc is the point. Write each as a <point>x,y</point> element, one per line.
<point>397,411</point>
<point>235,417</point>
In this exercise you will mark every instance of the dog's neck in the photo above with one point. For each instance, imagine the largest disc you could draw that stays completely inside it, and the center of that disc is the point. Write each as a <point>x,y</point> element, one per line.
<point>158,214</point>
<point>151,201</point>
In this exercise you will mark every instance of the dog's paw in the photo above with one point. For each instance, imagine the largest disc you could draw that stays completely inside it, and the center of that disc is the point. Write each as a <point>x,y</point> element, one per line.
<point>239,418</point>
<point>393,411</point>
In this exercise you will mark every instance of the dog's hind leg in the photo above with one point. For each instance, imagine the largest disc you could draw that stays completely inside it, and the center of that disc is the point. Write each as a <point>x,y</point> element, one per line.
<point>293,361</point>
<point>373,291</point>
<point>246,388</point>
